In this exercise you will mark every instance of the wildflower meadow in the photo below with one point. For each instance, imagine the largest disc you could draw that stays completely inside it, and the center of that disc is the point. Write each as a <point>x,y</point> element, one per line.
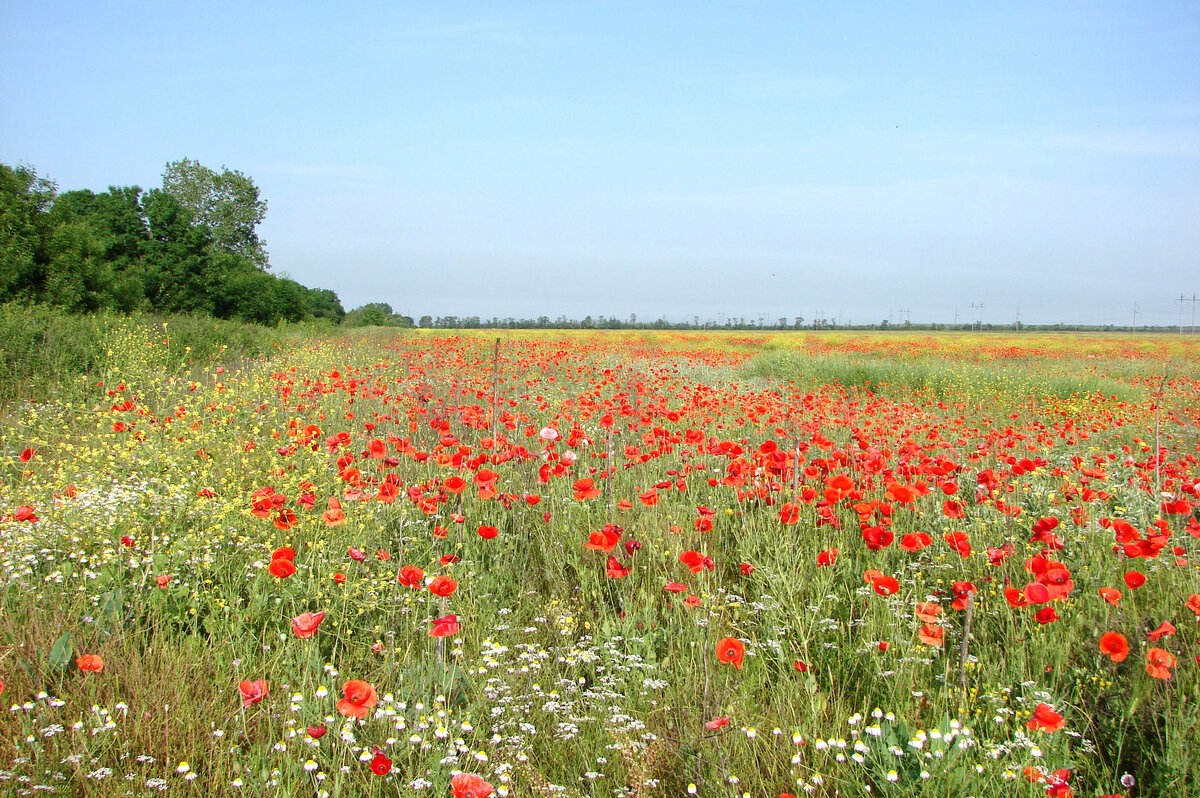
<point>622,564</point>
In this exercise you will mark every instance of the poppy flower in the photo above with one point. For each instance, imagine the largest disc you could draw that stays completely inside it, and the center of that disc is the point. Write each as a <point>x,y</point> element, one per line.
<point>928,611</point>
<point>488,532</point>
<point>1164,629</point>
<point>1111,595</point>
<point>445,627</point>
<point>90,662</point>
<point>915,541</point>
<point>585,489</point>
<point>1015,598</point>
<point>334,515</point>
<point>789,513</point>
<point>1193,603</point>
<point>959,542</point>
<point>674,587</point>
<point>253,692</point>
<point>605,540</point>
<point>886,585</point>
<point>359,698</point>
<point>1037,593</point>
<point>1134,579</point>
<point>305,624</point>
<point>746,568</point>
<point>827,558</point>
<point>1046,615</point>
<point>25,513</point>
<point>411,576</point>
<point>1159,663</point>
<point>731,651</point>
<point>931,635</point>
<point>282,568</point>
<point>1114,645</point>
<point>443,586</point>
<point>614,569</point>
<point>338,578</point>
<point>380,764</point>
<point>1045,719</point>
<point>800,666</point>
<point>716,723</point>
<point>468,785</point>
<point>316,732</point>
<point>448,559</point>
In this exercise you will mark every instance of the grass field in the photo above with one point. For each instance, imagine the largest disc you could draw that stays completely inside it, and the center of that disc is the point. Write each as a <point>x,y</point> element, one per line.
<point>625,564</point>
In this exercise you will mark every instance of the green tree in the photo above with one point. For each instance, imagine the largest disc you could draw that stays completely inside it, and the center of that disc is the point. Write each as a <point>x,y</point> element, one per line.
<point>25,200</point>
<point>225,202</point>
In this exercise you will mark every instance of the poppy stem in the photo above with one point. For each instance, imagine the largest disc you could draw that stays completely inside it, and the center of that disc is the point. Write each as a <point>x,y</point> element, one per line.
<point>966,642</point>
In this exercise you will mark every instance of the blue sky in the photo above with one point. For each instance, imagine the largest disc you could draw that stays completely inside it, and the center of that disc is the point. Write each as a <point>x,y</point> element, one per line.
<point>834,159</point>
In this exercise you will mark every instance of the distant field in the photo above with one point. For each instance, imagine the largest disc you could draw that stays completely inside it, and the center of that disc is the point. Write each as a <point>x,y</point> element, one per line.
<point>627,564</point>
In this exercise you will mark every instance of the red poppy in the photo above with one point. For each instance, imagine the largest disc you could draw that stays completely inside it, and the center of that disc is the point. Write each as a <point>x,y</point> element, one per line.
<point>27,455</point>
<point>455,484</point>
<point>586,489</point>
<point>1164,629</point>
<point>25,513</point>
<point>614,569</point>
<point>649,497</point>
<point>380,764</point>
<point>284,553</point>
<point>959,542</point>
<point>1134,579</point>
<point>305,624</point>
<point>359,697</point>
<point>886,585</point>
<point>674,587</point>
<point>605,540</point>
<point>931,635</point>
<point>338,578</point>
<point>1159,663</point>
<point>488,532</point>
<point>253,692</point>
<point>90,662</point>
<point>1045,719</point>
<point>334,515</point>
<point>411,576</point>
<point>468,785</point>
<point>716,723</point>
<point>731,651</point>
<point>915,541</point>
<point>746,568</point>
<point>789,513</point>
<point>316,732</point>
<point>443,586</point>
<point>827,558</point>
<point>282,568</point>
<point>1114,645</point>
<point>1111,595</point>
<point>448,559</point>
<point>356,554</point>
<point>1046,615</point>
<point>446,626</point>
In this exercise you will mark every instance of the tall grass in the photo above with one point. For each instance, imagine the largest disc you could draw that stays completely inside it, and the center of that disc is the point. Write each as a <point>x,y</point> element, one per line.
<point>48,349</point>
<point>940,379</point>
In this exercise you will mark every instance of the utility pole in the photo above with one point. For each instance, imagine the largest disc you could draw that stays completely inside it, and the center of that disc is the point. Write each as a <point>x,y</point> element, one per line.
<point>1181,300</point>
<point>979,307</point>
<point>1135,317</point>
<point>1018,324</point>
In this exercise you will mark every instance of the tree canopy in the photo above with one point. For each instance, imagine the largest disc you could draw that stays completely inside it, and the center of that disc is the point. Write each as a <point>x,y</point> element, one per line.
<point>188,247</point>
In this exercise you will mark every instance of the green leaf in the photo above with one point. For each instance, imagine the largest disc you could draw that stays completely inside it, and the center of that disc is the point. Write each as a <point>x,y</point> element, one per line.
<point>112,605</point>
<point>61,651</point>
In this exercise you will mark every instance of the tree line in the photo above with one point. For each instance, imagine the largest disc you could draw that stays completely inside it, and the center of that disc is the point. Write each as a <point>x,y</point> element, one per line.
<point>190,247</point>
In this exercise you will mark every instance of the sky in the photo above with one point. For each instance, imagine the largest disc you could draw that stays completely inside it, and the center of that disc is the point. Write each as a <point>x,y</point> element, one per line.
<point>855,161</point>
